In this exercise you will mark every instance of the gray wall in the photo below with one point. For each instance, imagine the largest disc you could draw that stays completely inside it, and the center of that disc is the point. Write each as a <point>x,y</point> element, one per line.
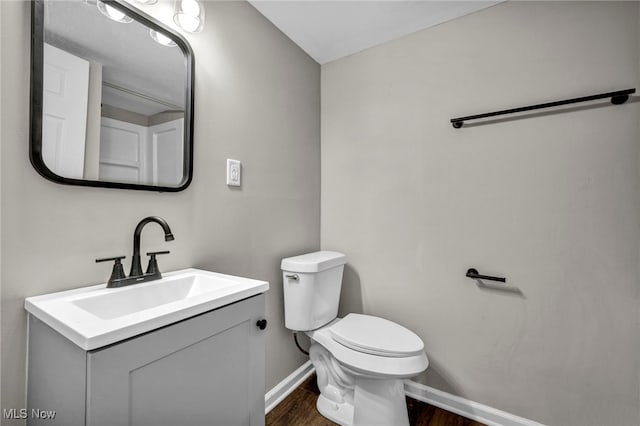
<point>550,202</point>
<point>1,144</point>
<point>257,100</point>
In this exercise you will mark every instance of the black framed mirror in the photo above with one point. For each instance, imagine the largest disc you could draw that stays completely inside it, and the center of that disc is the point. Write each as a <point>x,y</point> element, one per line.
<point>111,97</point>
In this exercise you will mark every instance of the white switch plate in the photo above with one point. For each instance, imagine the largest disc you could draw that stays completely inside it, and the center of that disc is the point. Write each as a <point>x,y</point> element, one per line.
<point>233,172</point>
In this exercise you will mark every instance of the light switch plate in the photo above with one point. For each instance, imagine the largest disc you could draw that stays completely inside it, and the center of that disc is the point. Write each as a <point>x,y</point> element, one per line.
<point>233,172</point>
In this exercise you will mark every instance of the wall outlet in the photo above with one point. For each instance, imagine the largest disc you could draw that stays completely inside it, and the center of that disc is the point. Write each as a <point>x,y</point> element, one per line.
<point>233,172</point>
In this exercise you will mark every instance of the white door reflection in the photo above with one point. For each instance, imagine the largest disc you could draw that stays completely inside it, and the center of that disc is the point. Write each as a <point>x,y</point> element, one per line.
<point>64,121</point>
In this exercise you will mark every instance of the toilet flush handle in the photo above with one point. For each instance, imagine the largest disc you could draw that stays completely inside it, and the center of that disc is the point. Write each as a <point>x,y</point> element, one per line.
<point>292,277</point>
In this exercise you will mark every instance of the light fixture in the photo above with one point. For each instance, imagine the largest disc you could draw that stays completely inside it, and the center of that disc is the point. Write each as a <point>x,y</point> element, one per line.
<point>189,15</point>
<point>113,13</point>
<point>161,38</point>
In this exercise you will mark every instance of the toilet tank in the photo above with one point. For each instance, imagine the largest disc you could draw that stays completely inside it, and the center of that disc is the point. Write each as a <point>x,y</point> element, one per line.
<point>311,285</point>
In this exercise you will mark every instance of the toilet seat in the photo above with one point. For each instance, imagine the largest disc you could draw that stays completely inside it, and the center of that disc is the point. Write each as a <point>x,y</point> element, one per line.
<point>368,364</point>
<point>376,336</point>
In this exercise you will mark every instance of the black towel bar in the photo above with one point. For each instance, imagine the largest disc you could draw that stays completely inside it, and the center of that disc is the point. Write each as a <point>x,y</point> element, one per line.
<point>617,98</point>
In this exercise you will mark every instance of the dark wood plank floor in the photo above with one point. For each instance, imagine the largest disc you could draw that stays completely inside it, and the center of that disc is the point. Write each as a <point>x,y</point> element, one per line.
<point>299,409</point>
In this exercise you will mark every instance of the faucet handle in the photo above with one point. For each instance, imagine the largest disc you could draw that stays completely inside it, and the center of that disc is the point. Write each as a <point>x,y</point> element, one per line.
<point>153,253</point>
<point>118,272</point>
<point>152,268</point>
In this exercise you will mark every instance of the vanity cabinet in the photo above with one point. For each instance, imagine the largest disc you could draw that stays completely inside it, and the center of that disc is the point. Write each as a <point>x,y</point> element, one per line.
<point>205,370</point>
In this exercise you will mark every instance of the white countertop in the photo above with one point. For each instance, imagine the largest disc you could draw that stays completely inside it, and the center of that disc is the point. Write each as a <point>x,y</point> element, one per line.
<point>96,316</point>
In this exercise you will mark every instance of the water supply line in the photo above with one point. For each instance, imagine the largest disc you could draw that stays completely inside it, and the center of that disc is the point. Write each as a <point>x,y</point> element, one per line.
<point>295,338</point>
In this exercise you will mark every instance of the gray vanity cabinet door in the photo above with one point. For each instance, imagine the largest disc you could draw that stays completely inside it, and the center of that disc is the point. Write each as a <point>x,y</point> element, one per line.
<point>207,370</point>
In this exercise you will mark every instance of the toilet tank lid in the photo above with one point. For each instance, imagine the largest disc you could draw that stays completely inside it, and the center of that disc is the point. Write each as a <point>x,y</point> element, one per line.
<point>313,262</point>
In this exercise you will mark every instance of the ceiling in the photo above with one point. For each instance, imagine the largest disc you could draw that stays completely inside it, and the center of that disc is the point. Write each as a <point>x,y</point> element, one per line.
<point>329,30</point>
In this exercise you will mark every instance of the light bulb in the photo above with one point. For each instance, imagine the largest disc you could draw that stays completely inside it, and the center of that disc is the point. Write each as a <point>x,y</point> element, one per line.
<point>188,22</point>
<point>113,13</point>
<point>189,15</point>
<point>161,38</point>
<point>191,7</point>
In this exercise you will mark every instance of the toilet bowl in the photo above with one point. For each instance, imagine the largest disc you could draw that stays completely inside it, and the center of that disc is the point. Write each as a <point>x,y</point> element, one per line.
<point>361,361</point>
<point>361,369</point>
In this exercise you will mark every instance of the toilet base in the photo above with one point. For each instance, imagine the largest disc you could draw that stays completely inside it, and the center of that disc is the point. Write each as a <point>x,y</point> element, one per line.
<point>341,413</point>
<point>379,402</point>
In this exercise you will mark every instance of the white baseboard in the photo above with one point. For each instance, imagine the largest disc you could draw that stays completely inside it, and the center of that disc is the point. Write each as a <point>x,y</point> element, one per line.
<point>464,407</point>
<point>455,404</point>
<point>288,385</point>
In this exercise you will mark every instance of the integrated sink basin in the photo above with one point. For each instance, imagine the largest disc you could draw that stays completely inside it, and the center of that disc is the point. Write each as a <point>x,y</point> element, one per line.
<point>110,305</point>
<point>96,316</point>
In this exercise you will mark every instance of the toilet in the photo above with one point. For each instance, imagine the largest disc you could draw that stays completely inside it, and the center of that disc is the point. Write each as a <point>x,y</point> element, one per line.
<point>361,361</point>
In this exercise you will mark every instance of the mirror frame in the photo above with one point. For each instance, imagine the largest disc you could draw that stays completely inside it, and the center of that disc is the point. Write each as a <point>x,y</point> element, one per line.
<point>36,100</point>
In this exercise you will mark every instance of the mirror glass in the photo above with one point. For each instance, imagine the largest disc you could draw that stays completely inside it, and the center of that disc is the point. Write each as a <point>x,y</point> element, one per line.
<point>111,97</point>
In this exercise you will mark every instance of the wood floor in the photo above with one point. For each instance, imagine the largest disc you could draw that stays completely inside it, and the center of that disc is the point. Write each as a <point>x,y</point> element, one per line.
<point>299,409</point>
